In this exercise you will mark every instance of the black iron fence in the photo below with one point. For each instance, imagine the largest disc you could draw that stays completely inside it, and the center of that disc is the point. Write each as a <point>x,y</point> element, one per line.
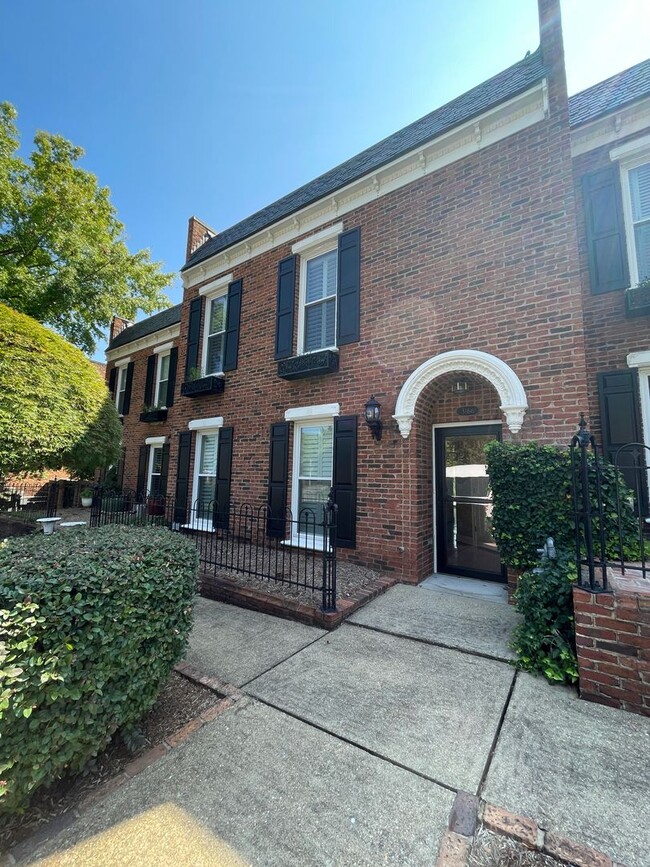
<point>28,501</point>
<point>610,510</point>
<point>245,539</point>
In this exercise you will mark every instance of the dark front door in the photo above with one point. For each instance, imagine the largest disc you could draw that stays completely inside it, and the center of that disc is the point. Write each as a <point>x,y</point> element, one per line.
<point>465,545</point>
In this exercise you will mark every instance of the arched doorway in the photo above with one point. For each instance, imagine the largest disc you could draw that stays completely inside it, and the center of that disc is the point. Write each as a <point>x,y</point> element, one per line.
<point>451,493</point>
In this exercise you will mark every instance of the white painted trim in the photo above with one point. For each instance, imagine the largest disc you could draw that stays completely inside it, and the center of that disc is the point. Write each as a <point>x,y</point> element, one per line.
<point>162,353</point>
<point>434,498</point>
<point>202,431</point>
<point>164,347</point>
<point>164,334</point>
<point>123,361</point>
<point>314,241</point>
<point>204,424</point>
<point>611,128</point>
<point>508,385</point>
<point>632,158</point>
<point>639,359</point>
<point>155,441</point>
<point>295,474</point>
<point>306,413</point>
<point>218,286</point>
<point>213,296</point>
<point>492,126</point>
<point>630,149</point>
<point>326,246</point>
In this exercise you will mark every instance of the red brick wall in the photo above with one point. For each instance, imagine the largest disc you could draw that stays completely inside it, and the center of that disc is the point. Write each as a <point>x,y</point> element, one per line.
<point>613,645</point>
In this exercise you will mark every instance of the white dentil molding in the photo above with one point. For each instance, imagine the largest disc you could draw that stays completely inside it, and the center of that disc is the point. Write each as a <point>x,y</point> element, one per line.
<point>615,126</point>
<point>508,385</point>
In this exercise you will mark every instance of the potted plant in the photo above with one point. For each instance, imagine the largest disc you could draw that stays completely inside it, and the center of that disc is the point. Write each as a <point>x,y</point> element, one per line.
<point>86,497</point>
<point>637,299</point>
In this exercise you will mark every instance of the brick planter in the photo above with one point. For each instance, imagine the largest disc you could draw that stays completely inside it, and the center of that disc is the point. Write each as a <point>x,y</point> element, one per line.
<point>613,644</point>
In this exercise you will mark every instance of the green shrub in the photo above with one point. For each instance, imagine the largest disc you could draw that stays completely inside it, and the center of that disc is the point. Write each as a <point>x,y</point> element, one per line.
<point>532,499</point>
<point>91,624</point>
<point>545,641</point>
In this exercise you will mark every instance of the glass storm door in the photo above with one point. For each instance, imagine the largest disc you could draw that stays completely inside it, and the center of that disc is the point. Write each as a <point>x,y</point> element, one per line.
<point>465,545</point>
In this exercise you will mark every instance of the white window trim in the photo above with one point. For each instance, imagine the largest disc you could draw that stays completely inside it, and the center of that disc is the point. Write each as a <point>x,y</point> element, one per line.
<point>163,348</point>
<point>155,441</point>
<point>159,360</point>
<point>119,380</point>
<point>152,449</point>
<point>216,287</point>
<point>305,413</point>
<point>123,361</point>
<point>206,424</point>
<point>298,540</point>
<point>215,291</point>
<point>630,156</point>
<point>316,245</point>
<point>641,360</point>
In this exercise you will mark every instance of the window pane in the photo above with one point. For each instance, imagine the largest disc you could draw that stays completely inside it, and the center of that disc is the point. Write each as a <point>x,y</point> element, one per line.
<point>164,367</point>
<point>321,276</point>
<point>320,325</point>
<point>161,395</point>
<point>313,496</point>
<point>217,315</point>
<point>156,460</point>
<point>642,244</point>
<point>214,358</point>
<point>206,489</point>
<point>640,192</point>
<point>208,462</point>
<point>316,452</point>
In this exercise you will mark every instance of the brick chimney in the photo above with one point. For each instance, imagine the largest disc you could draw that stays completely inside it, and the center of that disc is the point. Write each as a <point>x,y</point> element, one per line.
<point>197,234</point>
<point>550,34</point>
<point>117,327</point>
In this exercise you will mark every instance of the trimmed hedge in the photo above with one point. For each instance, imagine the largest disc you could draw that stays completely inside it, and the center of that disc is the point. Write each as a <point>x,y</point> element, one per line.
<point>532,499</point>
<point>55,409</point>
<point>91,625</point>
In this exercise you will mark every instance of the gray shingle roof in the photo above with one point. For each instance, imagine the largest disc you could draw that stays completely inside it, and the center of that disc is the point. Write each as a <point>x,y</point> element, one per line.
<point>500,88</point>
<point>170,316</point>
<point>608,95</point>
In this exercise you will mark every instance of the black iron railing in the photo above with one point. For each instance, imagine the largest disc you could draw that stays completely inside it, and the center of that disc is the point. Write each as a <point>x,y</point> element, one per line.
<point>243,538</point>
<point>609,531</point>
<point>28,501</point>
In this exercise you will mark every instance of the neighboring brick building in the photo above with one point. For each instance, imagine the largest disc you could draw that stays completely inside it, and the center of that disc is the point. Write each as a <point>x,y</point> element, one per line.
<point>443,271</point>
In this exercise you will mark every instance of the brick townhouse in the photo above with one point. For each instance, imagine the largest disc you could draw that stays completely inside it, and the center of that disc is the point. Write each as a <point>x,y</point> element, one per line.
<point>467,273</point>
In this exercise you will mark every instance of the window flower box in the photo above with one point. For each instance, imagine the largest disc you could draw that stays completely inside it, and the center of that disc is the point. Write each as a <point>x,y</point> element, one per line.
<point>204,385</point>
<point>637,300</point>
<point>310,364</point>
<point>153,415</point>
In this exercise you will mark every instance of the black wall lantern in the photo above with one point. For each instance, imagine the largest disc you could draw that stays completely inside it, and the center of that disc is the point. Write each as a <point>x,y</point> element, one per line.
<point>373,417</point>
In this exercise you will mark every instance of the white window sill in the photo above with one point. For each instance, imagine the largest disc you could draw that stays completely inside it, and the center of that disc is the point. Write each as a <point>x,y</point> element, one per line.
<point>202,525</point>
<point>322,349</point>
<point>309,543</point>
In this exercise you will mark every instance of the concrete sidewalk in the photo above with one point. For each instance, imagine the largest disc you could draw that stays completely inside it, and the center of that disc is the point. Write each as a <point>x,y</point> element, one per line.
<point>351,746</point>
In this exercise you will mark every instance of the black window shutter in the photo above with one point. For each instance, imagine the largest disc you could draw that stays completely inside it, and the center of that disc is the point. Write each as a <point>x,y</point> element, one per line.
<point>224,472</point>
<point>183,477</point>
<point>605,227</point>
<point>112,379</point>
<point>193,335</point>
<point>171,382</point>
<point>164,470</point>
<point>142,470</point>
<point>278,480</point>
<point>344,480</point>
<point>285,307</point>
<point>148,383</point>
<point>233,316</point>
<point>349,279</point>
<point>126,406</point>
<point>620,423</point>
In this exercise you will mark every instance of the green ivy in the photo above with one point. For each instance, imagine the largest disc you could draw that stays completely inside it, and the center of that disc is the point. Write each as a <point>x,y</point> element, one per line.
<point>532,499</point>
<point>91,624</point>
<point>545,641</point>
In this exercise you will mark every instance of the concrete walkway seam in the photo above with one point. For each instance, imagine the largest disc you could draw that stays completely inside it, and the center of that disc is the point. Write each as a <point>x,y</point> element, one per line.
<point>497,735</point>
<point>282,661</point>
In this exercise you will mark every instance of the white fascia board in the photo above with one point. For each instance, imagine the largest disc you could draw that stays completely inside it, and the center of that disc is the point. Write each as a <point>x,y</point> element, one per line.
<point>206,423</point>
<point>155,441</point>
<point>492,126</point>
<point>304,413</point>
<point>616,125</point>
<point>319,238</point>
<point>216,286</point>
<point>147,342</point>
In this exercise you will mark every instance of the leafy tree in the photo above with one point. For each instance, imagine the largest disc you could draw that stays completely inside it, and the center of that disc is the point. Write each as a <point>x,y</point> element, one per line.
<point>63,257</point>
<point>55,410</point>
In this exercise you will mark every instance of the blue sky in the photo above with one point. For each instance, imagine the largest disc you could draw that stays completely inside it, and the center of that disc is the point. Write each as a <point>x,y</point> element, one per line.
<point>217,108</point>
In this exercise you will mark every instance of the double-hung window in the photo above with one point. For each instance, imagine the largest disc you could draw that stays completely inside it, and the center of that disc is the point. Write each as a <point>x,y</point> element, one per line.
<point>312,471</point>
<point>162,380</point>
<point>120,391</point>
<point>214,335</point>
<point>319,323</point>
<point>154,475</point>
<point>205,476</point>
<point>639,189</point>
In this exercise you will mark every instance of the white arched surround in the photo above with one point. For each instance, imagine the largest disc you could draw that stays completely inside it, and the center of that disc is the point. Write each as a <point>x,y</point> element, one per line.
<point>491,368</point>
